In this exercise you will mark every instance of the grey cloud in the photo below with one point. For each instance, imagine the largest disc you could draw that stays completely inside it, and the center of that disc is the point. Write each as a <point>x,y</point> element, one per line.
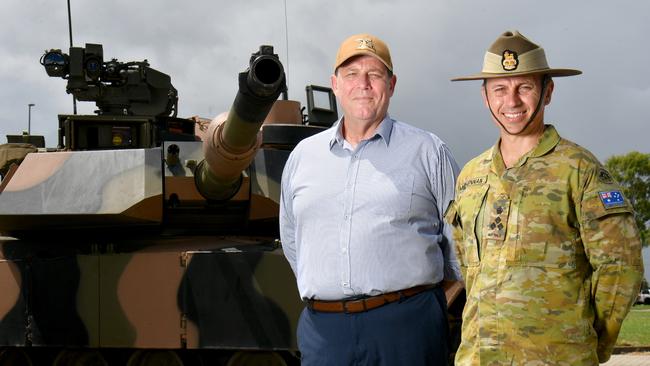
<point>204,44</point>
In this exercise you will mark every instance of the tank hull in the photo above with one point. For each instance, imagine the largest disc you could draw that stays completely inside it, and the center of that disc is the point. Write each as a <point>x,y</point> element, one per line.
<point>203,292</point>
<point>173,293</point>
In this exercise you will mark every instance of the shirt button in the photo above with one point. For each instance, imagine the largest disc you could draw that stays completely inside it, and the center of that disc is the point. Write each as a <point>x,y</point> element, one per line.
<point>344,250</point>
<point>346,217</point>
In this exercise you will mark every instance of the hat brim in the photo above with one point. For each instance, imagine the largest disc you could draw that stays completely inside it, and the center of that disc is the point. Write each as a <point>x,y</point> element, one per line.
<point>550,72</point>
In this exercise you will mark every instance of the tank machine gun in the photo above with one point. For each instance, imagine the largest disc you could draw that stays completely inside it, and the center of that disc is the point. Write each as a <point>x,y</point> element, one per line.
<point>148,238</point>
<point>117,88</point>
<point>136,104</point>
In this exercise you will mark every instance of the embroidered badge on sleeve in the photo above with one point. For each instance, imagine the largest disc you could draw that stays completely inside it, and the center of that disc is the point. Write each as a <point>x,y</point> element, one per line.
<point>612,199</point>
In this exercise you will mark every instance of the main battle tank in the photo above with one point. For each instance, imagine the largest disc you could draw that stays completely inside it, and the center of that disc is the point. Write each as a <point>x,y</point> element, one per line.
<point>149,239</point>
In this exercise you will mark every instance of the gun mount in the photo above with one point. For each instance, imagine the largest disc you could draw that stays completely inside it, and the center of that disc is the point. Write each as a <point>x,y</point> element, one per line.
<point>232,143</point>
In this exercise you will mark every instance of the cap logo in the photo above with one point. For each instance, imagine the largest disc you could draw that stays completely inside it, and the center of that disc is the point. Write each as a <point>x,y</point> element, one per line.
<point>509,61</point>
<point>366,44</point>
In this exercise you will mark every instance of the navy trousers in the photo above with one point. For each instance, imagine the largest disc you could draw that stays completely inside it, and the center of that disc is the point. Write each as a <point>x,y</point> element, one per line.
<point>410,332</point>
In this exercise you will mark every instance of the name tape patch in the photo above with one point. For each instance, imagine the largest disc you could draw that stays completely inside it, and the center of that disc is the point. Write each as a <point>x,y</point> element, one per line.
<point>473,182</point>
<point>612,199</point>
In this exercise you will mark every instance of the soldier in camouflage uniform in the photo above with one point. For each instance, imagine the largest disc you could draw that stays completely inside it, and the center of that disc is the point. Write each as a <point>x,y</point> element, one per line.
<point>549,249</point>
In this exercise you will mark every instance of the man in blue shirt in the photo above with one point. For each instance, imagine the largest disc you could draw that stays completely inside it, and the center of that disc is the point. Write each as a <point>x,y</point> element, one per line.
<point>361,225</point>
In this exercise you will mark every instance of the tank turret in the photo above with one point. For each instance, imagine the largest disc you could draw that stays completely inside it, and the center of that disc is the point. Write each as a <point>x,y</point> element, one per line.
<point>111,173</point>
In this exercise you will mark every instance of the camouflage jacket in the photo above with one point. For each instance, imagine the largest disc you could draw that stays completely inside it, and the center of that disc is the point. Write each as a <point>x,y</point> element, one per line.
<point>550,254</point>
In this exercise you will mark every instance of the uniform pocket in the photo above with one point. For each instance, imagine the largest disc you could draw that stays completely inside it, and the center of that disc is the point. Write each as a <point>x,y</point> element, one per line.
<point>468,208</point>
<point>547,230</point>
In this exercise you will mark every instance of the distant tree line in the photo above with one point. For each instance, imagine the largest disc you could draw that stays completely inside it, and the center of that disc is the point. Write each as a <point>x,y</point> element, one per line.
<point>632,171</point>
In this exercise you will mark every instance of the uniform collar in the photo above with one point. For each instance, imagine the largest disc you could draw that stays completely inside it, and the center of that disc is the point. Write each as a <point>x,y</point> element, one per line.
<point>550,138</point>
<point>383,131</point>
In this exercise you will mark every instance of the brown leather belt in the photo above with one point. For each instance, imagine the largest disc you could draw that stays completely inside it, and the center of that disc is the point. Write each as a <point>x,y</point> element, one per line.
<point>366,303</point>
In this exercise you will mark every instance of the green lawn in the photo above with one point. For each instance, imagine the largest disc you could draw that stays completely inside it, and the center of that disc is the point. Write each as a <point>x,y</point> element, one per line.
<point>636,327</point>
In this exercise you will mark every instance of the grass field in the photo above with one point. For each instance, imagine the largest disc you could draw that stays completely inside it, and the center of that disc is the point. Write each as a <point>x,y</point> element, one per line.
<point>636,327</point>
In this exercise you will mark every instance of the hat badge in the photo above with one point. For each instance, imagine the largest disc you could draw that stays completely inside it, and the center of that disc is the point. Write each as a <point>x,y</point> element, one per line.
<point>366,44</point>
<point>509,61</point>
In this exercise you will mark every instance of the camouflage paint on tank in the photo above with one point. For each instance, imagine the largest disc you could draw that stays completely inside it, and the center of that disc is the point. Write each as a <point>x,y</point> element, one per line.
<point>12,305</point>
<point>550,271</point>
<point>13,154</point>
<point>266,173</point>
<point>172,293</point>
<point>233,298</point>
<point>45,310</point>
<point>83,188</point>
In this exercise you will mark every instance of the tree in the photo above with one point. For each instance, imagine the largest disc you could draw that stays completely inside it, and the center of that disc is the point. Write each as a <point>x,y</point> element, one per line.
<point>632,171</point>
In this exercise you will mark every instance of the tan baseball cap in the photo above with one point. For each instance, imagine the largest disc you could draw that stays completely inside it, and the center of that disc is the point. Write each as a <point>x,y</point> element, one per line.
<point>512,54</point>
<point>363,44</point>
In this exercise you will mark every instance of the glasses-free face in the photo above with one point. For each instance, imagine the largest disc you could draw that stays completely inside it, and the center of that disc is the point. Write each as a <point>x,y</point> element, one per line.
<point>513,101</point>
<point>363,87</point>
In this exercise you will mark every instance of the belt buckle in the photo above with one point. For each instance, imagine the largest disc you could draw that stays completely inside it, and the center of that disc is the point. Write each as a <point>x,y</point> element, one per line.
<point>402,296</point>
<point>345,307</point>
<point>347,310</point>
<point>364,306</point>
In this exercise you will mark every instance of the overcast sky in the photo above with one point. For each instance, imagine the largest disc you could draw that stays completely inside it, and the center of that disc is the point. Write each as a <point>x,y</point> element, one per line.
<point>204,44</point>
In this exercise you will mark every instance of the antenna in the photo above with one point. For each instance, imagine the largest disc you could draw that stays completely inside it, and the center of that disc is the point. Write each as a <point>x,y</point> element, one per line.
<point>74,100</point>
<point>69,23</point>
<point>286,38</point>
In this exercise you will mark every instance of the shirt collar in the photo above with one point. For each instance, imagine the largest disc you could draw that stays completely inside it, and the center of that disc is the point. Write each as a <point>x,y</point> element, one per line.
<point>550,138</point>
<point>384,131</point>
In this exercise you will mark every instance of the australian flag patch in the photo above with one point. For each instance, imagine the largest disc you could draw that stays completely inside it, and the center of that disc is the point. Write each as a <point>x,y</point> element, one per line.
<point>612,199</point>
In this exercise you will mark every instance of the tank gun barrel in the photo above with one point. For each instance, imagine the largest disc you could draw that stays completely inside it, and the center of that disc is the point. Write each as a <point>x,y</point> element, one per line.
<point>233,139</point>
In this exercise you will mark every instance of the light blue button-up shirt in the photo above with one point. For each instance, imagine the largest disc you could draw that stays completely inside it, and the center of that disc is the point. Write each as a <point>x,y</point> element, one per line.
<point>368,220</point>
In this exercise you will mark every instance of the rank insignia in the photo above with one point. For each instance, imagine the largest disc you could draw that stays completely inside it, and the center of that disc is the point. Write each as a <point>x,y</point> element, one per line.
<point>612,199</point>
<point>366,44</point>
<point>509,61</point>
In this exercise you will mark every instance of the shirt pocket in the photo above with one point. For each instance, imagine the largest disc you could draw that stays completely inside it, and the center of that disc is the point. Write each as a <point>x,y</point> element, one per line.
<point>547,232</point>
<point>391,195</point>
<point>468,209</point>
